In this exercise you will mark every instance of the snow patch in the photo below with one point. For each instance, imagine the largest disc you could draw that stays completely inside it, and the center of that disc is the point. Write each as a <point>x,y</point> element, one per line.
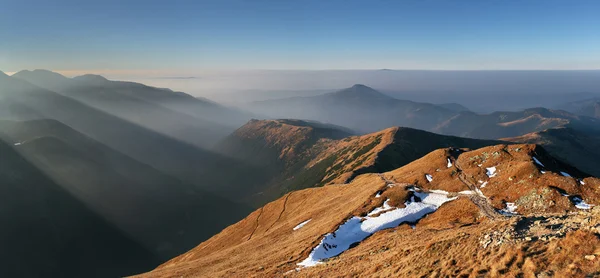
<point>18,144</point>
<point>449,163</point>
<point>537,161</point>
<point>301,225</point>
<point>378,194</point>
<point>565,174</point>
<point>543,172</point>
<point>581,182</point>
<point>580,203</point>
<point>386,206</point>
<point>428,177</point>
<point>511,209</point>
<point>356,229</point>
<point>483,184</point>
<point>491,172</point>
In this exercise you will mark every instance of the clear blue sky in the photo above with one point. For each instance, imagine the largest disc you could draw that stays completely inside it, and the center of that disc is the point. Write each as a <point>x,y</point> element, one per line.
<point>261,34</point>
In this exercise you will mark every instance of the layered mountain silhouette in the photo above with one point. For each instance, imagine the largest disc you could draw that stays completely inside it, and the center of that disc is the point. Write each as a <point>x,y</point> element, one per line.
<point>367,110</point>
<point>510,124</point>
<point>359,107</point>
<point>294,154</point>
<point>159,211</point>
<point>173,114</point>
<point>500,210</point>
<point>187,162</point>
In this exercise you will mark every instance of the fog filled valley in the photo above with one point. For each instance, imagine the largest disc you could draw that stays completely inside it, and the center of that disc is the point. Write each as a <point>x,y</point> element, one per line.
<point>119,177</point>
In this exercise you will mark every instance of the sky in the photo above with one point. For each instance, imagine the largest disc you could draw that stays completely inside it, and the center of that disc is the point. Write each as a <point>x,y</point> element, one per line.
<point>181,37</point>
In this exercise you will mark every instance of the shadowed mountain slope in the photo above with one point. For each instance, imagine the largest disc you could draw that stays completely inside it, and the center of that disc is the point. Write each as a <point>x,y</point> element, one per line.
<point>170,113</point>
<point>188,163</point>
<point>48,232</point>
<point>574,147</point>
<point>499,210</point>
<point>162,213</point>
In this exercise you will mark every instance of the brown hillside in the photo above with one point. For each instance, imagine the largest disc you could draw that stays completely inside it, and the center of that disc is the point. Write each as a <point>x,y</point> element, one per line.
<point>293,154</point>
<point>474,232</point>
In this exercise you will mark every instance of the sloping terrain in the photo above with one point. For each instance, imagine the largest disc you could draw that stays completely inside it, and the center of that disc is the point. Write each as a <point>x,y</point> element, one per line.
<point>569,145</point>
<point>293,154</point>
<point>189,163</point>
<point>164,215</point>
<point>173,114</point>
<point>503,210</point>
<point>48,232</point>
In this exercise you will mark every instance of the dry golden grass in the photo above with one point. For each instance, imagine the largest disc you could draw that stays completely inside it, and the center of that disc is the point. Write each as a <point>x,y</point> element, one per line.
<point>446,243</point>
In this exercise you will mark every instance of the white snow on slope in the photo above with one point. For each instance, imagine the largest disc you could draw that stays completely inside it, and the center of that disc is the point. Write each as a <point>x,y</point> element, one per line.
<point>511,209</point>
<point>386,206</point>
<point>580,203</point>
<point>565,174</point>
<point>483,185</point>
<point>490,172</point>
<point>581,182</point>
<point>378,195</point>
<point>543,172</point>
<point>357,229</point>
<point>301,224</point>
<point>428,177</point>
<point>18,144</point>
<point>537,161</point>
<point>449,163</point>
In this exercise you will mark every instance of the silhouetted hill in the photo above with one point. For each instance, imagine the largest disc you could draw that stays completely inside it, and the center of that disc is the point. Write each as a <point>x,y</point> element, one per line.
<point>188,163</point>
<point>160,212</point>
<point>360,108</point>
<point>49,232</point>
<point>160,110</point>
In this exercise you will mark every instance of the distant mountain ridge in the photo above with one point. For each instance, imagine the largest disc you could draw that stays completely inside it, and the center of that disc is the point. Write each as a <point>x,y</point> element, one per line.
<point>365,110</point>
<point>295,154</point>
<point>175,114</point>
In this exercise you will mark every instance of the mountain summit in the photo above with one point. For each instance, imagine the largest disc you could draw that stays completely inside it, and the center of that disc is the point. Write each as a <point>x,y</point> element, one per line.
<point>360,91</point>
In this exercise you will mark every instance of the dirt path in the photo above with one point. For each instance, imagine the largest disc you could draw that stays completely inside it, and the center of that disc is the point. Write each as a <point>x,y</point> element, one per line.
<point>478,199</point>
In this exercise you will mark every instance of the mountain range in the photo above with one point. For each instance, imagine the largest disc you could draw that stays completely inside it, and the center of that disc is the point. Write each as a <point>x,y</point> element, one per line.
<point>365,110</point>
<point>143,174</point>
